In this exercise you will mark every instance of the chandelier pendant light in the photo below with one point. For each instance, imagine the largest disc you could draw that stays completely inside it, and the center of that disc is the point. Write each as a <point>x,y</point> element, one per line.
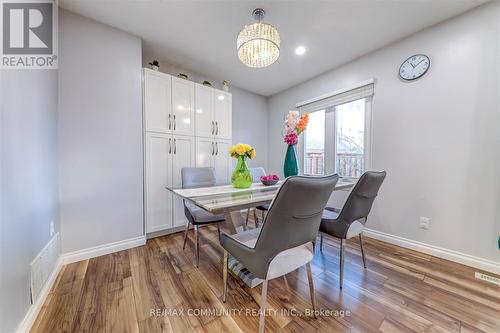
<point>258,43</point>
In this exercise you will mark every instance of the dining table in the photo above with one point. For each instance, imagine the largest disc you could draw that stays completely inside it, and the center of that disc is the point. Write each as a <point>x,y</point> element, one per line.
<point>231,202</point>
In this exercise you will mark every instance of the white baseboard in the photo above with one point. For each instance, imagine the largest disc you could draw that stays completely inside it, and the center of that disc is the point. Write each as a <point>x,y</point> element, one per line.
<point>166,232</point>
<point>101,250</point>
<point>461,258</point>
<point>34,309</point>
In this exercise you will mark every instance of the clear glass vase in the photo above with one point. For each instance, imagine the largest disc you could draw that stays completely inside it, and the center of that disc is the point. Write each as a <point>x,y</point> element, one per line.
<point>242,178</point>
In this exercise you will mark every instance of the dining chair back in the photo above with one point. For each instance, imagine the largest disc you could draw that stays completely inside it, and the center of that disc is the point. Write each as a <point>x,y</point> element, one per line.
<point>198,177</point>
<point>285,241</point>
<point>351,219</point>
<point>360,200</point>
<point>256,173</point>
<point>293,218</point>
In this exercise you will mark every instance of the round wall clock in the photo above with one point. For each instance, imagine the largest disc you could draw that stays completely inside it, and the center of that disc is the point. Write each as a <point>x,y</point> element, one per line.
<point>414,67</point>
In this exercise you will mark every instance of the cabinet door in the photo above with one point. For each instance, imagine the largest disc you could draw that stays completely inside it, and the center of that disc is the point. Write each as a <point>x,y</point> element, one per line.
<point>222,162</point>
<point>223,114</point>
<point>157,101</point>
<point>158,176</point>
<point>205,150</point>
<point>204,110</point>
<point>182,106</point>
<point>182,157</point>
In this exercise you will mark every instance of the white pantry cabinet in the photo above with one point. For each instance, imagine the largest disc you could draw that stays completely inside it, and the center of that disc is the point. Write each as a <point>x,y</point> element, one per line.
<point>166,155</point>
<point>215,154</point>
<point>223,114</point>
<point>159,205</point>
<point>185,125</point>
<point>182,106</point>
<point>213,113</point>
<point>183,154</point>
<point>157,102</point>
<point>204,111</point>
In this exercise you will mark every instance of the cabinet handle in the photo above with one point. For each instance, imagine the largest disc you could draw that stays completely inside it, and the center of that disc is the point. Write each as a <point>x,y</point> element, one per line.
<point>175,123</point>
<point>169,121</point>
<point>217,145</point>
<point>170,146</point>
<point>213,149</point>
<point>212,128</point>
<point>216,128</point>
<point>175,146</point>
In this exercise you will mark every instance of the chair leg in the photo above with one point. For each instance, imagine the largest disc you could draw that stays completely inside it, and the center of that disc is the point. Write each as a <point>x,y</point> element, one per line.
<point>224,276</point>
<point>263,307</point>
<point>248,215</point>
<point>287,286</point>
<point>321,242</point>
<point>311,288</point>
<point>218,229</point>
<point>362,249</point>
<point>256,219</point>
<point>342,255</point>
<point>185,236</point>
<point>197,243</point>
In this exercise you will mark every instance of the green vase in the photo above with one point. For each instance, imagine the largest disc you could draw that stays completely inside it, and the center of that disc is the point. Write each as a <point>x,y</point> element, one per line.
<point>291,168</point>
<point>242,178</point>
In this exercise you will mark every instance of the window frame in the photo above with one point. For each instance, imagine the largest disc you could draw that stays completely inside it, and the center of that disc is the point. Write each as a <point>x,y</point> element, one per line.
<point>330,137</point>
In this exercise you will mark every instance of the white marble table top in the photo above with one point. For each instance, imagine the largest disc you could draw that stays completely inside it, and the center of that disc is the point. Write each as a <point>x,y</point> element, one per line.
<point>218,199</point>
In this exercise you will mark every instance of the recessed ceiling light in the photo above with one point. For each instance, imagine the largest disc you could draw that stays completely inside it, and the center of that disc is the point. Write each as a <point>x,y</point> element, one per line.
<point>300,50</point>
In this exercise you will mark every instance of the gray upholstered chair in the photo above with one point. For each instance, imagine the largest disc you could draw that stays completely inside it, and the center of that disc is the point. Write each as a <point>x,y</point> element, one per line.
<point>196,216</point>
<point>257,172</point>
<point>285,240</point>
<point>351,219</point>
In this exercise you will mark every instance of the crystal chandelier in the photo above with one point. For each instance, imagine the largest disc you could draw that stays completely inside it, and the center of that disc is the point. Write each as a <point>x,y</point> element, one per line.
<point>258,43</point>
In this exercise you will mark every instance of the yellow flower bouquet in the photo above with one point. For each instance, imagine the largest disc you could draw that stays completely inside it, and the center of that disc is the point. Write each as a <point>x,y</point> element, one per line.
<point>242,178</point>
<point>242,149</point>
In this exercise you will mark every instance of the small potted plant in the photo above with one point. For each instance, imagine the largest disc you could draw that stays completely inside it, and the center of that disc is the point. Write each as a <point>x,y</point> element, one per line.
<point>225,85</point>
<point>182,76</point>
<point>207,83</point>
<point>155,65</point>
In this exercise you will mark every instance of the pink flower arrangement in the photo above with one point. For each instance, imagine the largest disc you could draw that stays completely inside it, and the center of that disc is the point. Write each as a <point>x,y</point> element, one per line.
<point>291,138</point>
<point>269,178</point>
<point>295,124</point>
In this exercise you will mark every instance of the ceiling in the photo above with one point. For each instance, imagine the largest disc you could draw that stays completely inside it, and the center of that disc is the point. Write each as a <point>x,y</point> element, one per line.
<point>201,35</point>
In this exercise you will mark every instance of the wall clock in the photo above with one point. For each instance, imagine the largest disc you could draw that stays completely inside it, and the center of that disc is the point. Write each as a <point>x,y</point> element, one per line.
<point>414,67</point>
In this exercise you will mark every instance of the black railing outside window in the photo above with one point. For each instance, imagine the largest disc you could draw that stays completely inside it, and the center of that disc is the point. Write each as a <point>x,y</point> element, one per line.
<point>348,164</point>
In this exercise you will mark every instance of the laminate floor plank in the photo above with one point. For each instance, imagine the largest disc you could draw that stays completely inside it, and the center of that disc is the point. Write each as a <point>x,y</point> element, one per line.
<point>157,288</point>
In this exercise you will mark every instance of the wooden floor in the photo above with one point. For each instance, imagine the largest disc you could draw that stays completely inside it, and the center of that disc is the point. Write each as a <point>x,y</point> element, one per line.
<point>145,289</point>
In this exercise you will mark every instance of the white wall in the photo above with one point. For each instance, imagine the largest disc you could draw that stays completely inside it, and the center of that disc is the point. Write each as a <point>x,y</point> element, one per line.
<point>438,137</point>
<point>100,126</point>
<point>250,112</point>
<point>28,182</point>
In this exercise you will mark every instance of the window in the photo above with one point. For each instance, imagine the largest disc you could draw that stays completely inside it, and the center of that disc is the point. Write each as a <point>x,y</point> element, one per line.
<point>350,139</point>
<point>314,148</point>
<point>337,137</point>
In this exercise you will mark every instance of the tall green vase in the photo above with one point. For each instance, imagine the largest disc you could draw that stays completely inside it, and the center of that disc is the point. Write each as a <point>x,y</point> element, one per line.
<point>291,167</point>
<point>242,178</point>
